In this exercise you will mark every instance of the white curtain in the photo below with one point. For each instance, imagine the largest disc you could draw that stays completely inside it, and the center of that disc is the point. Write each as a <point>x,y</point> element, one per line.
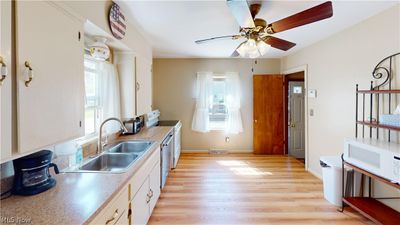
<point>233,94</point>
<point>109,96</point>
<point>201,120</point>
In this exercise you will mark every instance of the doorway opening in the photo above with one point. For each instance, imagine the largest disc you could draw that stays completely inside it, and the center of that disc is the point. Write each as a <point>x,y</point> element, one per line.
<point>295,115</point>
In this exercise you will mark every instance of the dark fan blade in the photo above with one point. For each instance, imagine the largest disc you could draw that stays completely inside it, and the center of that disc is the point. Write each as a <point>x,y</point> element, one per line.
<point>240,10</point>
<point>310,15</point>
<point>233,37</point>
<point>279,43</point>
<point>254,10</point>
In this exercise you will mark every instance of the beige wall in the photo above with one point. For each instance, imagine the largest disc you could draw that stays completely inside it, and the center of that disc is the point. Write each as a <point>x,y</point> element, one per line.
<point>173,86</point>
<point>335,65</point>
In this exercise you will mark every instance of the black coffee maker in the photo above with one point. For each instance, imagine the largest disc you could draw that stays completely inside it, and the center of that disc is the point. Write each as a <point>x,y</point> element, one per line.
<point>32,174</point>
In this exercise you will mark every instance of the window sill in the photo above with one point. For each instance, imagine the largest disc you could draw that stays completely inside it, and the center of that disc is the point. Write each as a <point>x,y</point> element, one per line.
<point>87,139</point>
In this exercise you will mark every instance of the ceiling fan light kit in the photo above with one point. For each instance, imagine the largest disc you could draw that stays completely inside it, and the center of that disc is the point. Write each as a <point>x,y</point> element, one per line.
<point>253,49</point>
<point>258,32</point>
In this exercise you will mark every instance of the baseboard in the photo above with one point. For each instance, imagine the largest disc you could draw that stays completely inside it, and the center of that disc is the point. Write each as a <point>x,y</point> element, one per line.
<point>319,176</point>
<point>207,151</point>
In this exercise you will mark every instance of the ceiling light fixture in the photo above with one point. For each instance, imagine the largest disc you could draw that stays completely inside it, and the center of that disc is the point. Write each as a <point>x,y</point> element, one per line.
<point>253,49</point>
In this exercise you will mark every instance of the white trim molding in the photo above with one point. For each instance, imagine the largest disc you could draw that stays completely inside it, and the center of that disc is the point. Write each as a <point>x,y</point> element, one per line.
<point>303,68</point>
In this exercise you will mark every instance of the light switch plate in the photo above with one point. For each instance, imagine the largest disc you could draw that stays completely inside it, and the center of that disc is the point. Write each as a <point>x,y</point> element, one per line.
<point>312,93</point>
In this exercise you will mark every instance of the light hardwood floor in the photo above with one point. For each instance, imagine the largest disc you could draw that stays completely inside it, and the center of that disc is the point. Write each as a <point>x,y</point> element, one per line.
<point>245,189</point>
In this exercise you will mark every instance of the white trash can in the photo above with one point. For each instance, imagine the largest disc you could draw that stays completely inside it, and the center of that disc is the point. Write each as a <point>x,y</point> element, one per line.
<point>332,178</point>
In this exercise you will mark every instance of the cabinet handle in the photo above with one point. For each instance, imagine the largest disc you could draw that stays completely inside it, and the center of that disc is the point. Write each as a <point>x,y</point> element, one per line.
<point>150,194</point>
<point>115,216</point>
<point>137,86</point>
<point>147,199</point>
<point>4,70</point>
<point>28,74</point>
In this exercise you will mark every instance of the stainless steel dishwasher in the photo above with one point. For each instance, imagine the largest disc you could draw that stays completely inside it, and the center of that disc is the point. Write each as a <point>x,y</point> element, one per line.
<point>166,148</point>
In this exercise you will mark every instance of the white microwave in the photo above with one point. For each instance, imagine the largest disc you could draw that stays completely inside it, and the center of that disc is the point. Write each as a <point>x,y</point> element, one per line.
<point>377,157</point>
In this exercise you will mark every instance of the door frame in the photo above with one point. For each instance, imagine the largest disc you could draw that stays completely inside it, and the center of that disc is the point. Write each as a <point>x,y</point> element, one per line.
<point>302,68</point>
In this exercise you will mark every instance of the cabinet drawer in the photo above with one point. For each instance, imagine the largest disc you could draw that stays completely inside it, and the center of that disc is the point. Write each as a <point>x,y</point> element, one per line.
<point>140,176</point>
<point>114,211</point>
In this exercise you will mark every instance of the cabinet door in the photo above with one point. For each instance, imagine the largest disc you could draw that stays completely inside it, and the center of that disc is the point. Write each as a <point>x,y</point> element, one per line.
<point>140,205</point>
<point>126,71</point>
<point>6,86</point>
<point>155,182</point>
<point>51,109</point>
<point>144,85</point>
<point>123,220</point>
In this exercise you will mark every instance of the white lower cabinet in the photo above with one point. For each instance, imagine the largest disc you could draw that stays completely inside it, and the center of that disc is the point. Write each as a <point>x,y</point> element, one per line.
<point>145,199</point>
<point>154,181</point>
<point>140,205</point>
<point>116,211</point>
<point>135,203</point>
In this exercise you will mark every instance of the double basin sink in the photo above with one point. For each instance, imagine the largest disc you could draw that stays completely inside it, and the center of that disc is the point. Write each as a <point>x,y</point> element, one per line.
<point>117,158</point>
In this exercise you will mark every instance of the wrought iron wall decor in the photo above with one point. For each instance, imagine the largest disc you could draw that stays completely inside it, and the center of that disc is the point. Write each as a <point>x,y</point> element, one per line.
<point>380,71</point>
<point>383,75</point>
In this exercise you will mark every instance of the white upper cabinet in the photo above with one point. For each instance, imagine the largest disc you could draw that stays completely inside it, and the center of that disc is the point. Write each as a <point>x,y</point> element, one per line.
<point>6,83</point>
<point>51,107</point>
<point>126,71</point>
<point>143,85</point>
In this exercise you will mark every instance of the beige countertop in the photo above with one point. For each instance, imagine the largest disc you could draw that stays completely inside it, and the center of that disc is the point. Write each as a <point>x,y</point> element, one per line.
<point>78,197</point>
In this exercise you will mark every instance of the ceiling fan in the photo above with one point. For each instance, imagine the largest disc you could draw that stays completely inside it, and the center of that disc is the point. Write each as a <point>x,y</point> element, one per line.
<point>258,32</point>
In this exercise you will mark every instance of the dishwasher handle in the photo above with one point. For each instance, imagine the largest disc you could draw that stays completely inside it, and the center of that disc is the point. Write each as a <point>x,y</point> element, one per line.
<point>167,140</point>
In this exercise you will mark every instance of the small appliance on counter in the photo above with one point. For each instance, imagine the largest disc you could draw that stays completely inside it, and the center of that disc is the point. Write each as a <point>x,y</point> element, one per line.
<point>133,125</point>
<point>32,175</point>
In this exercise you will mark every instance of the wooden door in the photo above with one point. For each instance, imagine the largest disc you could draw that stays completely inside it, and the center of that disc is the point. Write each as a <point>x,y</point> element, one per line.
<point>296,119</point>
<point>144,85</point>
<point>51,108</point>
<point>140,205</point>
<point>268,114</point>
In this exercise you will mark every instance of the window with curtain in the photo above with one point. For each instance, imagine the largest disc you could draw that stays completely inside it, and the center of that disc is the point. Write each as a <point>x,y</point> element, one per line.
<point>102,98</point>
<point>217,103</point>
<point>92,98</point>
<point>218,111</point>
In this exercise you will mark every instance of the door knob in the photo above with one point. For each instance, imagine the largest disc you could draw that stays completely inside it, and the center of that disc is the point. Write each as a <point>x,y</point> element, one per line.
<point>293,125</point>
<point>255,121</point>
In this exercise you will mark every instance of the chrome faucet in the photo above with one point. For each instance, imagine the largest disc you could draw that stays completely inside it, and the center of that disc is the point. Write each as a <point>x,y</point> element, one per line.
<point>100,143</point>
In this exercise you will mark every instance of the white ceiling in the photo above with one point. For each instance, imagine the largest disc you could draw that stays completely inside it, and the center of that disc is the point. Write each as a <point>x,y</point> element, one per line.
<point>171,27</point>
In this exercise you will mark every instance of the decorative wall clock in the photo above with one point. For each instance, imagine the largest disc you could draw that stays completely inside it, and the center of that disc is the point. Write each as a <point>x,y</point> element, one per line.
<point>117,21</point>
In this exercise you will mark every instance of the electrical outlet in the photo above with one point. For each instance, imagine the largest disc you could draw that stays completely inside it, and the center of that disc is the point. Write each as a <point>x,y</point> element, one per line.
<point>311,112</point>
<point>227,139</point>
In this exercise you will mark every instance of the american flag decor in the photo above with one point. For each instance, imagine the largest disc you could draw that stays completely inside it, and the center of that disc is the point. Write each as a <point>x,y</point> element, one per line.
<point>117,21</point>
